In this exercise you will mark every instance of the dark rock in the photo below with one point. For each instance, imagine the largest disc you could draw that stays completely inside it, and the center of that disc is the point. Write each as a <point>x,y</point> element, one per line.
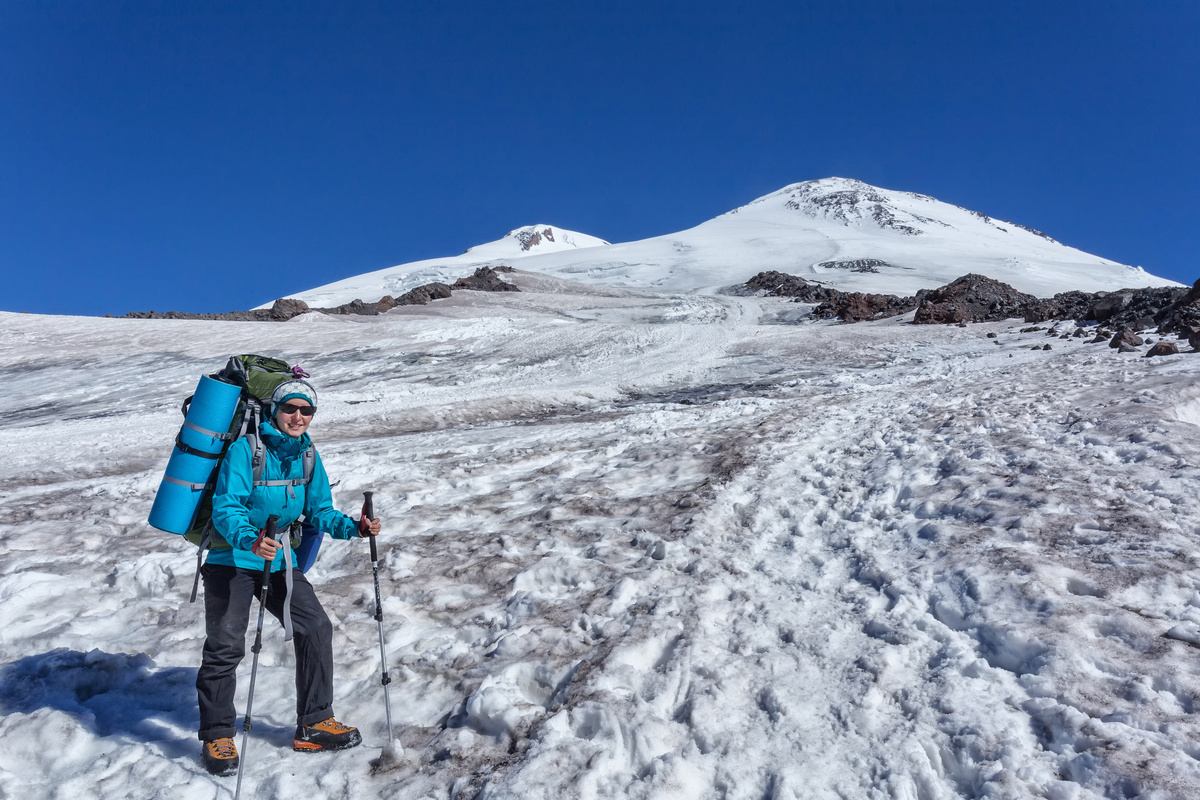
<point>857,307</point>
<point>1126,347</point>
<point>1100,337</point>
<point>1065,305</point>
<point>1126,337</point>
<point>1162,349</point>
<point>1047,347</point>
<point>1194,338</point>
<point>386,303</point>
<point>1183,314</point>
<point>972,298</point>
<point>856,265</point>
<point>1148,308</point>
<point>485,279</point>
<point>1108,304</point>
<point>286,307</point>
<point>992,335</point>
<point>779,284</point>
<point>424,294</point>
<point>355,306</point>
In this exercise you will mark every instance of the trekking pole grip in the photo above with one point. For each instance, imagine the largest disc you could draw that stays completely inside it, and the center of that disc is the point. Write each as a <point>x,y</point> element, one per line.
<point>368,513</point>
<point>272,522</point>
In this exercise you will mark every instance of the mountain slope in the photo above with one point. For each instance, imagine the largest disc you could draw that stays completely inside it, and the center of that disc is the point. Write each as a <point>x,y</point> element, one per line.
<point>844,232</point>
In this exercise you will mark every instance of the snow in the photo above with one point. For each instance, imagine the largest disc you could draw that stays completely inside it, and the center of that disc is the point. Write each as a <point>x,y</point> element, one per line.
<point>636,544</point>
<point>816,229</point>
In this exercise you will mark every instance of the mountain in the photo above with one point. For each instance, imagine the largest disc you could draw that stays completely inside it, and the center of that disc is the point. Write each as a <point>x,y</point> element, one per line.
<point>844,232</point>
<point>533,240</point>
<point>528,242</point>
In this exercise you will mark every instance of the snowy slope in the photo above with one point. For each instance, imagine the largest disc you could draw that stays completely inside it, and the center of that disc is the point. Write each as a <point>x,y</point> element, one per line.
<point>635,546</point>
<point>521,243</point>
<point>833,230</point>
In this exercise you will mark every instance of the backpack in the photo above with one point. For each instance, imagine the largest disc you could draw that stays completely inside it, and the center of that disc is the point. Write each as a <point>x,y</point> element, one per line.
<point>257,377</point>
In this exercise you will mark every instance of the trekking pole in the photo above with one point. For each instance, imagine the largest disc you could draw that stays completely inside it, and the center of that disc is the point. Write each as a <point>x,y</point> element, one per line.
<point>262,606</point>
<point>368,513</point>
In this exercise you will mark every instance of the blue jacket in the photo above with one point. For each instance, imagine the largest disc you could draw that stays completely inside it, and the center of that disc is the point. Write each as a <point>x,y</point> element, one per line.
<point>240,509</point>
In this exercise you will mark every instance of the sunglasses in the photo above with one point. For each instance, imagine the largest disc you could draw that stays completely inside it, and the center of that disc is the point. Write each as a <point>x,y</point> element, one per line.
<point>288,409</point>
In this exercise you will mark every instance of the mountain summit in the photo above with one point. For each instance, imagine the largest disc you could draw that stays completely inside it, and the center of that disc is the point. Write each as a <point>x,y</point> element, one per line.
<point>843,232</point>
<point>534,240</point>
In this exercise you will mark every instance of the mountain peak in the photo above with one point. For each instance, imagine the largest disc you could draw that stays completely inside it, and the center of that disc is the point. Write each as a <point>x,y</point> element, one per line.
<point>535,240</point>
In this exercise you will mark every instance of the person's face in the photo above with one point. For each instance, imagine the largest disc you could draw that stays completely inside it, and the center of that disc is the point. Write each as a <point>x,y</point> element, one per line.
<point>291,420</point>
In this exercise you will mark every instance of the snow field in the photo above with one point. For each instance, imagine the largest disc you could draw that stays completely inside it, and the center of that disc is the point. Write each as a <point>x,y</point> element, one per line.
<point>635,546</point>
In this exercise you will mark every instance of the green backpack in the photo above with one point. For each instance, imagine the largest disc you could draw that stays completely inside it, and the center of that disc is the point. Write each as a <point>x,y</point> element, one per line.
<point>258,376</point>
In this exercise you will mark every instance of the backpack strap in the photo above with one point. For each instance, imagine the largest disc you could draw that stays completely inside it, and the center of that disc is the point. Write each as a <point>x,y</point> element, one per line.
<point>308,459</point>
<point>189,485</point>
<point>191,451</point>
<point>225,437</point>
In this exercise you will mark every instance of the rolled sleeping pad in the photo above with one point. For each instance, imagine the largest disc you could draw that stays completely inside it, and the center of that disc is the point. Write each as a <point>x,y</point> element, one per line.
<point>310,545</point>
<point>208,418</point>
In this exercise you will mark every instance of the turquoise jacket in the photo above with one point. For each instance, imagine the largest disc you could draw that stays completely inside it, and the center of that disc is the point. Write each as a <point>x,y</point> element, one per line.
<point>240,509</point>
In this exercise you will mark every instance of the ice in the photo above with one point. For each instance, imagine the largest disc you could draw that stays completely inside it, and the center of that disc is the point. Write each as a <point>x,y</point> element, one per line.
<point>636,544</point>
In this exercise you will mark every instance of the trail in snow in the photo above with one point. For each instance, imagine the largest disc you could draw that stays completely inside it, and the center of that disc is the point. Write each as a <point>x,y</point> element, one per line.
<point>636,546</point>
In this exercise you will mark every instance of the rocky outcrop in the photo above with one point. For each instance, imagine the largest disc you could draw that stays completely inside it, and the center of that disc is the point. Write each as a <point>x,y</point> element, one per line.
<point>779,284</point>
<point>856,264</point>
<point>281,311</point>
<point>1139,308</point>
<point>972,298</point>
<point>976,298</point>
<point>1065,305</point>
<point>1183,315</point>
<point>485,279</point>
<point>849,306</point>
<point>859,307</point>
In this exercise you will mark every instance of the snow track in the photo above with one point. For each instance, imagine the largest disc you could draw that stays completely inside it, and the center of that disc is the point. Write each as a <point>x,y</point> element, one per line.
<point>636,546</point>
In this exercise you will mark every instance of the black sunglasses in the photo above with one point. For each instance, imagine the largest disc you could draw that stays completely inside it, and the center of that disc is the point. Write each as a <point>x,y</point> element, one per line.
<point>305,411</point>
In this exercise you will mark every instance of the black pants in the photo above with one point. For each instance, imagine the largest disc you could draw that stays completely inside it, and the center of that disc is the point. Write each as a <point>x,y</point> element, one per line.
<point>229,594</point>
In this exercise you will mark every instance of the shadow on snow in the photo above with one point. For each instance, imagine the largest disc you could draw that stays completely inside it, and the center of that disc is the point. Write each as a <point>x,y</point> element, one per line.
<point>111,694</point>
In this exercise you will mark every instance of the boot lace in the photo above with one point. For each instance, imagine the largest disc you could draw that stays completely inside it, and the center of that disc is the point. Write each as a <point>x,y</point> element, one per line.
<point>223,748</point>
<point>332,726</point>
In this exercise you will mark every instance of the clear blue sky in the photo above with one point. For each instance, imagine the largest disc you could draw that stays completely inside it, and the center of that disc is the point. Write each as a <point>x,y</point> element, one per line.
<point>210,156</point>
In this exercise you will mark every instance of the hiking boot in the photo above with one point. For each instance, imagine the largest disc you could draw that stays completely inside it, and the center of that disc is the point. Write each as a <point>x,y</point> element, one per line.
<point>326,735</point>
<point>220,757</point>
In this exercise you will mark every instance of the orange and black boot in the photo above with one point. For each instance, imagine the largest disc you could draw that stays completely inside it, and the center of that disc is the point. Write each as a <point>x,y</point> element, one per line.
<point>325,735</point>
<point>220,757</point>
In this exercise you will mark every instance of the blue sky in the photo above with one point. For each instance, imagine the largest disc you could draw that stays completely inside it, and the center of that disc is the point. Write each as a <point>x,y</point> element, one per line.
<point>209,156</point>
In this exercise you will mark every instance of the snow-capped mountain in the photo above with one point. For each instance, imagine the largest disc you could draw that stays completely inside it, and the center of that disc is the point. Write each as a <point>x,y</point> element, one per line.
<point>534,240</point>
<point>846,233</point>
<point>531,241</point>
